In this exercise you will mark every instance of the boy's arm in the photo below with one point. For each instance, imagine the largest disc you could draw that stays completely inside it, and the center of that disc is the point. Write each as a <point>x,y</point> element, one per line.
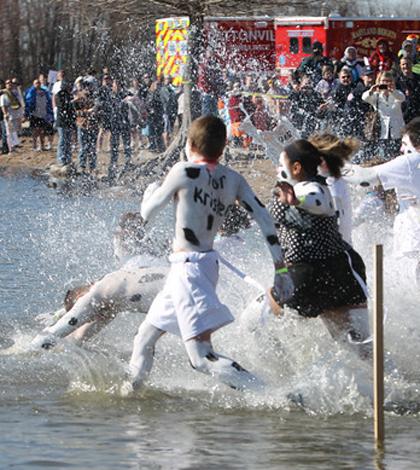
<point>283,284</point>
<point>257,211</point>
<point>156,197</point>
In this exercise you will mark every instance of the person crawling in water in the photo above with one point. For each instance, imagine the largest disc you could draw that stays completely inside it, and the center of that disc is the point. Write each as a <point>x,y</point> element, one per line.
<point>329,276</point>
<point>89,308</point>
<point>203,191</point>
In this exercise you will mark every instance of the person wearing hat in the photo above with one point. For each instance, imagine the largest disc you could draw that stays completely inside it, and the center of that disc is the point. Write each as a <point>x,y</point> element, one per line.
<point>357,108</point>
<point>382,59</point>
<point>409,84</point>
<point>312,65</point>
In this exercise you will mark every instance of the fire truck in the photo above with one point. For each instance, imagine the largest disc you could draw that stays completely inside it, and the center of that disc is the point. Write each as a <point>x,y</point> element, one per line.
<point>240,44</point>
<point>296,35</point>
<point>268,45</point>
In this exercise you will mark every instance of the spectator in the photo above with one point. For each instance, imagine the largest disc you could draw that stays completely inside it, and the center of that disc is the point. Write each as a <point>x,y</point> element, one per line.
<point>120,129</point>
<point>210,82</point>
<point>305,106</point>
<point>5,148</point>
<point>261,118</point>
<point>38,109</point>
<point>408,50</point>
<point>65,122</point>
<point>91,80</point>
<point>11,108</point>
<point>170,108</point>
<point>382,59</point>
<point>55,89</point>
<point>236,114</point>
<point>357,109</point>
<point>351,61</point>
<point>387,101</point>
<point>312,65</point>
<point>136,114</point>
<point>49,126</point>
<point>409,84</point>
<point>18,92</point>
<point>340,97</point>
<point>87,126</point>
<point>104,103</point>
<point>328,83</point>
<point>155,117</point>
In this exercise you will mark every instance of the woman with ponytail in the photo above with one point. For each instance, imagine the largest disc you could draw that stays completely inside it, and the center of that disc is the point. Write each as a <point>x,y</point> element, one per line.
<point>328,275</point>
<point>335,152</point>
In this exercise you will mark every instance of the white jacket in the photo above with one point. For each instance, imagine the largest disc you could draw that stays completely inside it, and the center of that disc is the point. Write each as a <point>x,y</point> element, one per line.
<point>390,113</point>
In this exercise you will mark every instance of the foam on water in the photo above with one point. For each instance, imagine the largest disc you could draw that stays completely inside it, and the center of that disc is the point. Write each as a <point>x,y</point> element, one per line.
<point>301,365</point>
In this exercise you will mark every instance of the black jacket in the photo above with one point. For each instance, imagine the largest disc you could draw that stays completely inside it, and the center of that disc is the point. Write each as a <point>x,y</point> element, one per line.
<point>66,116</point>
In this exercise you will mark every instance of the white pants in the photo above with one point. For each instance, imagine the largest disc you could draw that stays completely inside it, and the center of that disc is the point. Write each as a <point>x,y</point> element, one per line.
<point>188,304</point>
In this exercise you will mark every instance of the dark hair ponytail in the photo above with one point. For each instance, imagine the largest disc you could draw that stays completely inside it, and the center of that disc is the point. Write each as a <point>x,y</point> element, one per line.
<point>334,151</point>
<point>306,154</point>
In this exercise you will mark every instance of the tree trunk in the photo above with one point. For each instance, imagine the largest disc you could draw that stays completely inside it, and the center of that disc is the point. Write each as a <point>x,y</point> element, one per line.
<point>195,49</point>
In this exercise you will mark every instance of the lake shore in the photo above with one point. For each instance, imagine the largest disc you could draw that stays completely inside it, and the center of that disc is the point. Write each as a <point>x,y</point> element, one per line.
<point>260,173</point>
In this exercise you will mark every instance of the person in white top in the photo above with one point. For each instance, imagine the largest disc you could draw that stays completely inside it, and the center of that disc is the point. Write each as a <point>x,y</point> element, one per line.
<point>403,175</point>
<point>55,89</point>
<point>387,101</point>
<point>335,152</point>
<point>12,111</point>
<point>203,192</point>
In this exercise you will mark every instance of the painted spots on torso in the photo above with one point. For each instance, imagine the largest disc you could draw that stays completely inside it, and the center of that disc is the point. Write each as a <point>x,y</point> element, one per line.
<point>190,236</point>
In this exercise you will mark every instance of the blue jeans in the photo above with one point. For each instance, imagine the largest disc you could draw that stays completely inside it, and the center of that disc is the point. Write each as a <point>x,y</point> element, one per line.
<point>4,136</point>
<point>116,135</point>
<point>87,142</point>
<point>64,145</point>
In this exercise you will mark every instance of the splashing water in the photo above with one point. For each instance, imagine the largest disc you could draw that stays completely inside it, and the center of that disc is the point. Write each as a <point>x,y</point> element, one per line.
<point>53,242</point>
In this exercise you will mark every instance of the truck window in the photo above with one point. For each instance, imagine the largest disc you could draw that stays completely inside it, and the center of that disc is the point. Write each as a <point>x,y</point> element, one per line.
<point>307,46</point>
<point>294,46</point>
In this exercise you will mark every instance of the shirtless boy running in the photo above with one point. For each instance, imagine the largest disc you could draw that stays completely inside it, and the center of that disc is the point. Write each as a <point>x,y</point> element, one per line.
<point>203,190</point>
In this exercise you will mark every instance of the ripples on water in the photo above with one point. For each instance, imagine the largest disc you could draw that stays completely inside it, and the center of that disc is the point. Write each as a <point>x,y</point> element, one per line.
<point>62,408</point>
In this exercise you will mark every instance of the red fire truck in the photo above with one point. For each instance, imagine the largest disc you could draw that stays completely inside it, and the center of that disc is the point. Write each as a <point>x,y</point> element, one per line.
<point>240,44</point>
<point>263,44</point>
<point>295,36</point>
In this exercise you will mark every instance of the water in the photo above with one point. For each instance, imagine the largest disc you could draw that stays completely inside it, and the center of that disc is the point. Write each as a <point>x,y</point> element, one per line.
<point>62,409</point>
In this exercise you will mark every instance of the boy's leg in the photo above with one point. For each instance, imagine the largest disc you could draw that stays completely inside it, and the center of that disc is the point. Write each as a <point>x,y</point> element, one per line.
<point>141,361</point>
<point>204,359</point>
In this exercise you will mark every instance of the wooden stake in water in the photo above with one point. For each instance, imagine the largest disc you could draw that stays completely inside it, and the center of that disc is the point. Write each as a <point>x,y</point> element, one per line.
<point>378,350</point>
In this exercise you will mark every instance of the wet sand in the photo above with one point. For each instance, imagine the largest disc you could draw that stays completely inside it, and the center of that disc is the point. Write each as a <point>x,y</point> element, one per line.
<point>259,172</point>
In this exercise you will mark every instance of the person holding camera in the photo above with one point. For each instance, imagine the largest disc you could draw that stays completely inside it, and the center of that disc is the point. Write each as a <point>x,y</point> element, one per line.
<point>387,101</point>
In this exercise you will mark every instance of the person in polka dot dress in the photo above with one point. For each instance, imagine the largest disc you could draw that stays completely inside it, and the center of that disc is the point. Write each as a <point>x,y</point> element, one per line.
<point>329,276</point>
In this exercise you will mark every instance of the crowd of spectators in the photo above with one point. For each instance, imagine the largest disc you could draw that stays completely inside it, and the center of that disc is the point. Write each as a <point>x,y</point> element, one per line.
<point>368,99</point>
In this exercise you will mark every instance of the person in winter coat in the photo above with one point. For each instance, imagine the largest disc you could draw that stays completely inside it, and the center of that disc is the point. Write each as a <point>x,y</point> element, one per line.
<point>170,108</point>
<point>409,84</point>
<point>305,106</point>
<point>312,65</point>
<point>382,59</point>
<point>120,128</point>
<point>65,122</point>
<point>87,126</point>
<point>351,61</point>
<point>387,100</point>
<point>38,109</point>
<point>154,108</point>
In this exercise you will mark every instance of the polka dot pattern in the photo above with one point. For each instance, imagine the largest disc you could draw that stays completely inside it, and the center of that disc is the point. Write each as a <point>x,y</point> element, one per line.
<point>306,237</point>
